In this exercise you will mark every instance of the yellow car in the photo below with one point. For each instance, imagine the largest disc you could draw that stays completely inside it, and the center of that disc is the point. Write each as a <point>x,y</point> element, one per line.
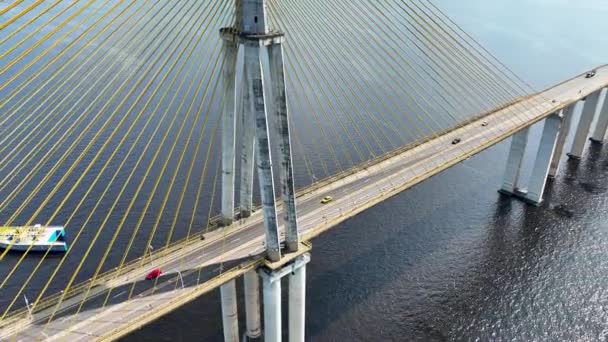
<point>327,199</point>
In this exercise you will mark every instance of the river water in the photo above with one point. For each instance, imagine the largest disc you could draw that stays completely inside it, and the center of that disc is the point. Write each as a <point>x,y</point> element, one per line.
<point>451,259</point>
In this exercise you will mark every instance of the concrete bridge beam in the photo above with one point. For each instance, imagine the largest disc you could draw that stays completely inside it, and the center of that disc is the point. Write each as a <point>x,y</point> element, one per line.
<point>514,161</point>
<point>599,134</point>
<point>544,156</point>
<point>584,125</point>
<point>564,131</point>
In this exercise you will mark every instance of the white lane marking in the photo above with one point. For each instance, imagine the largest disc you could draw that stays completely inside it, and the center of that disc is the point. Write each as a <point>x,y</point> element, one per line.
<point>120,294</point>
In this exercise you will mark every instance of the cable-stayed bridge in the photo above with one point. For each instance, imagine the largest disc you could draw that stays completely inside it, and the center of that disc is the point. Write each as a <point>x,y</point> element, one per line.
<point>132,123</point>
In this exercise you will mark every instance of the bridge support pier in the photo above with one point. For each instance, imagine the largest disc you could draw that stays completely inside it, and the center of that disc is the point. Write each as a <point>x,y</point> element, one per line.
<point>230,319</point>
<point>564,131</point>
<point>599,134</point>
<point>544,156</point>
<point>272,276</point>
<point>252,306</point>
<point>514,161</point>
<point>584,125</point>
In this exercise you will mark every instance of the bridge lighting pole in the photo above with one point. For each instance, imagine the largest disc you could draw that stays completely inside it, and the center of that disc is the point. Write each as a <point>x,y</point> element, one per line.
<point>584,125</point>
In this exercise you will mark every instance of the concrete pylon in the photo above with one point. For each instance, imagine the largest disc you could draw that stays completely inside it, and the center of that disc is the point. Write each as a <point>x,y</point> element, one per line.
<point>599,134</point>
<point>584,124</point>
<point>564,131</point>
<point>514,161</point>
<point>230,50</point>
<point>538,180</point>
<point>247,150</point>
<point>281,113</point>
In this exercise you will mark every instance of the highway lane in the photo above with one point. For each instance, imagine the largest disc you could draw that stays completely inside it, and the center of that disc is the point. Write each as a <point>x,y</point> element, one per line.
<point>352,194</point>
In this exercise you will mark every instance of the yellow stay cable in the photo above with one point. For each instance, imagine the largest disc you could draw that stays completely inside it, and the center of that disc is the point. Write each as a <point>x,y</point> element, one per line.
<point>20,14</point>
<point>10,6</point>
<point>14,133</point>
<point>150,82</point>
<point>152,40</point>
<point>113,177</point>
<point>42,40</point>
<point>98,133</point>
<point>333,79</point>
<point>394,105</point>
<point>30,21</point>
<point>178,135</point>
<point>482,62</point>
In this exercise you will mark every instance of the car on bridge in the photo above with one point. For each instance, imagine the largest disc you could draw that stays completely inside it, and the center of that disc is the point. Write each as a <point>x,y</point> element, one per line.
<point>590,74</point>
<point>327,199</point>
<point>155,273</point>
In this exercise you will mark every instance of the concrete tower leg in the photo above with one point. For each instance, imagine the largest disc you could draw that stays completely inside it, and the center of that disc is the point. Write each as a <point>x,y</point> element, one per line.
<point>247,150</point>
<point>281,113</point>
<point>264,161</point>
<point>564,130</point>
<point>252,306</point>
<point>514,161</point>
<point>582,131</point>
<point>228,131</point>
<point>272,307</point>
<point>229,312</point>
<point>602,122</point>
<point>543,160</point>
<point>297,304</point>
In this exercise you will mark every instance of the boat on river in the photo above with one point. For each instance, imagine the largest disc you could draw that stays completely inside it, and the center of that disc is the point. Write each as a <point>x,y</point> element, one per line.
<point>36,238</point>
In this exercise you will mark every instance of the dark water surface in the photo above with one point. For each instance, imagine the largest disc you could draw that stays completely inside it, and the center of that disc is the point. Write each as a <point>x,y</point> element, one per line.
<point>451,259</point>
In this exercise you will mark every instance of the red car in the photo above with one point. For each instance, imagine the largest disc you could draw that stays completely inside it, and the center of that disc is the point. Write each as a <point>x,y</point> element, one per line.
<point>155,273</point>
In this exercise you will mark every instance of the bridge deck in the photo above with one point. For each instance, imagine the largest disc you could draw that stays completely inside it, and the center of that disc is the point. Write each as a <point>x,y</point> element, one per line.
<point>241,243</point>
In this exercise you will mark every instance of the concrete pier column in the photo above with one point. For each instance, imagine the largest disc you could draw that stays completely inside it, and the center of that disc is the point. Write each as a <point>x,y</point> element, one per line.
<point>544,155</point>
<point>247,150</point>
<point>582,130</point>
<point>228,131</point>
<point>230,320</point>
<point>281,114</point>
<point>599,134</point>
<point>264,160</point>
<point>252,305</point>
<point>514,161</point>
<point>564,131</point>
<point>272,308</point>
<point>297,304</point>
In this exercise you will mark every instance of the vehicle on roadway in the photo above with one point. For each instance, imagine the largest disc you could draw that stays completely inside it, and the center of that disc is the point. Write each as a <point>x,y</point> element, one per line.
<point>327,199</point>
<point>590,74</point>
<point>155,273</point>
<point>455,141</point>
